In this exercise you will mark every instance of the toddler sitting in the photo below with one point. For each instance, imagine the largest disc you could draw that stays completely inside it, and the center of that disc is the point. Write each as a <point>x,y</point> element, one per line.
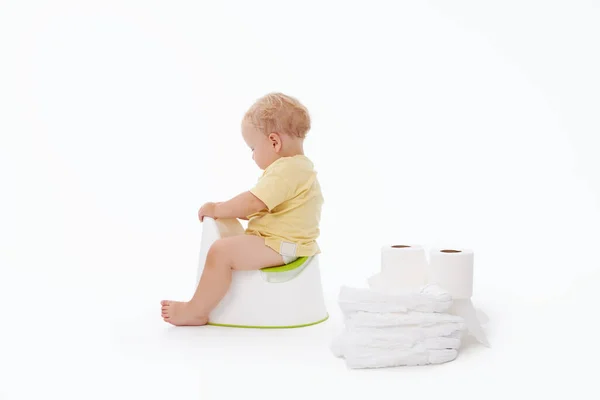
<point>283,209</point>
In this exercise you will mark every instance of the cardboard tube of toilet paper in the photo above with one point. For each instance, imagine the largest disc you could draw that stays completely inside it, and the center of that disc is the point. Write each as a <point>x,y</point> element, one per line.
<point>403,266</point>
<point>452,269</point>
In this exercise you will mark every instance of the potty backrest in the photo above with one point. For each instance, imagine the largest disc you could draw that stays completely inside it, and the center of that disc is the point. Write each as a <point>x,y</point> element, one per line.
<point>213,230</point>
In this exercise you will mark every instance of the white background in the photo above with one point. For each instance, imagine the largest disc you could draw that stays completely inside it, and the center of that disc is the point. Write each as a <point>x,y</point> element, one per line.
<point>464,124</point>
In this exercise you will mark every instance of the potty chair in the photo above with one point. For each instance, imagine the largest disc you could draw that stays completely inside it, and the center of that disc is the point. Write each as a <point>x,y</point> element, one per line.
<point>286,296</point>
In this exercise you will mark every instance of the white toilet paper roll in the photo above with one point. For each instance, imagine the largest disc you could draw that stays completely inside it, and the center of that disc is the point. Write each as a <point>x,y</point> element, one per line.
<point>452,269</point>
<point>403,266</point>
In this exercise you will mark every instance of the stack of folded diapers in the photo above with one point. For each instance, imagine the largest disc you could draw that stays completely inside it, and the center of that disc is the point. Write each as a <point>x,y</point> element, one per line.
<point>408,317</point>
<point>388,330</point>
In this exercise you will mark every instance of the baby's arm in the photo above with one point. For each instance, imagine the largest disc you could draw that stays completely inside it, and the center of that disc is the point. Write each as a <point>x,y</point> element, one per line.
<point>240,206</point>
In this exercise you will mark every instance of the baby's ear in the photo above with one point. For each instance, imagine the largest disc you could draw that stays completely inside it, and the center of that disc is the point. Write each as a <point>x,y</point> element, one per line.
<point>275,139</point>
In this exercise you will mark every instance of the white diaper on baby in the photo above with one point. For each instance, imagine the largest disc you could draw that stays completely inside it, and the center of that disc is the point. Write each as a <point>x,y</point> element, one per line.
<point>288,259</point>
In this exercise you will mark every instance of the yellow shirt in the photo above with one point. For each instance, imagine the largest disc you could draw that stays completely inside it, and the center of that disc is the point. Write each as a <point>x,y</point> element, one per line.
<point>292,194</point>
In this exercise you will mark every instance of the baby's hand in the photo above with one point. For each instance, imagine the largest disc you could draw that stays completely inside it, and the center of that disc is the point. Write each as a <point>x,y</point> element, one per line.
<point>207,210</point>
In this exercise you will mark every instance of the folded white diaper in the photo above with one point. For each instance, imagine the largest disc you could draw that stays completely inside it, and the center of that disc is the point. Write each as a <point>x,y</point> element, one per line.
<point>429,298</point>
<point>399,319</point>
<point>416,332</point>
<point>384,339</point>
<point>362,357</point>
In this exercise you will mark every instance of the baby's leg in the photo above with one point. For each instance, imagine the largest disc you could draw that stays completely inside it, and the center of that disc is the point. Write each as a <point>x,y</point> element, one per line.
<point>243,252</point>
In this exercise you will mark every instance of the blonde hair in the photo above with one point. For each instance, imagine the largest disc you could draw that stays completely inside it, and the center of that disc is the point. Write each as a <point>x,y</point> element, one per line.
<point>277,112</point>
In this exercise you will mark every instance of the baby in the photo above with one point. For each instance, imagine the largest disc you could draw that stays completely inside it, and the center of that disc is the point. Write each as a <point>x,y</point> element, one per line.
<point>283,209</point>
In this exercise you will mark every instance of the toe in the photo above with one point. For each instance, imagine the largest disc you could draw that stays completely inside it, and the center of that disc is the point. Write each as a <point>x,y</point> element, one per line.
<point>164,303</point>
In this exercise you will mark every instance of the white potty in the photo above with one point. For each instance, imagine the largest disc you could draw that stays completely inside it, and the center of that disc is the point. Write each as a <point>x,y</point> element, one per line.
<point>288,296</point>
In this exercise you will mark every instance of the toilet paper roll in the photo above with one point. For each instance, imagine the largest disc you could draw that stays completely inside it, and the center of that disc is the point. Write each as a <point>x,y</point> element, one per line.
<point>452,269</point>
<point>403,266</point>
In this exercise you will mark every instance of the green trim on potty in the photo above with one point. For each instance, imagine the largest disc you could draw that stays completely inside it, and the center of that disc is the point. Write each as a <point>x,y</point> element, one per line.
<point>287,267</point>
<point>269,327</point>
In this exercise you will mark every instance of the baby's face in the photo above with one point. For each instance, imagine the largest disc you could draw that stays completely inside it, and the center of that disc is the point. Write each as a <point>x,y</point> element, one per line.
<point>264,151</point>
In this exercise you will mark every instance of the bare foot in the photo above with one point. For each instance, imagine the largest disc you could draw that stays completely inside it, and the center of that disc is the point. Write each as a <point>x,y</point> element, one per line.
<point>181,314</point>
